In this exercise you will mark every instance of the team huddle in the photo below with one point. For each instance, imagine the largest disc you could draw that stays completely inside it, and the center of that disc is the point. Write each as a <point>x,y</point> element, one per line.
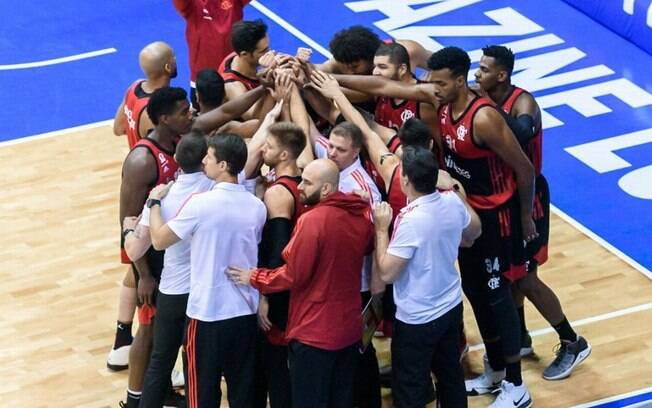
<point>261,216</point>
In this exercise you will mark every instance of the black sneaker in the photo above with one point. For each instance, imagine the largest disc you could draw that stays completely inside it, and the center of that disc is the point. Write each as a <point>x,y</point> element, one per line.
<point>174,400</point>
<point>526,345</point>
<point>569,355</point>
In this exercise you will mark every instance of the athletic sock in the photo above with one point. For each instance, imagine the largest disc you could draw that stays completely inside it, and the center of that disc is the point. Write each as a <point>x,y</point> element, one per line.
<point>565,331</point>
<point>123,335</point>
<point>133,398</point>
<point>521,317</point>
<point>495,355</point>
<point>513,373</point>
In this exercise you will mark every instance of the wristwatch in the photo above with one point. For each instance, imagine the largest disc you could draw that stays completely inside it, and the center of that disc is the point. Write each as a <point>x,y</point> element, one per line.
<point>151,202</point>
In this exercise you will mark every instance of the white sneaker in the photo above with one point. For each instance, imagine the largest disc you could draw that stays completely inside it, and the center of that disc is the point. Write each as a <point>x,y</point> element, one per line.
<point>118,359</point>
<point>488,382</point>
<point>512,396</point>
<point>178,380</point>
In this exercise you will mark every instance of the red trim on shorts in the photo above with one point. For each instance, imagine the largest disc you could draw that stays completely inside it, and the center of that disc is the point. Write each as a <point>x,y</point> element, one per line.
<point>145,314</point>
<point>192,366</point>
<point>516,273</point>
<point>542,255</point>
<point>124,258</point>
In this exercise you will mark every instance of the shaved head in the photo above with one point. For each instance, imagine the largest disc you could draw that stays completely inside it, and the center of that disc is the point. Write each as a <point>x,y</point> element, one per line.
<point>320,178</point>
<point>157,59</point>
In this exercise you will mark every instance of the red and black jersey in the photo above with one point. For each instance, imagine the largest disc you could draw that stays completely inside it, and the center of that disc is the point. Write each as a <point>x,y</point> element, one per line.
<point>395,196</point>
<point>487,179</point>
<point>392,115</point>
<point>534,148</point>
<point>292,185</point>
<point>393,145</point>
<point>230,75</point>
<point>166,166</point>
<point>136,101</point>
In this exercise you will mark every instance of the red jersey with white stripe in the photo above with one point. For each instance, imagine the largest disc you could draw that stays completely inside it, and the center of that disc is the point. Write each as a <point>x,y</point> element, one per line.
<point>487,179</point>
<point>136,101</point>
<point>534,148</point>
<point>208,30</point>
<point>393,145</point>
<point>395,196</point>
<point>230,75</point>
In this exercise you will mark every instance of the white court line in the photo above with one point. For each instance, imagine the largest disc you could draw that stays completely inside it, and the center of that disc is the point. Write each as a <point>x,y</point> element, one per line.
<point>601,241</point>
<point>47,135</point>
<point>290,28</point>
<point>584,322</point>
<point>615,398</point>
<point>55,61</point>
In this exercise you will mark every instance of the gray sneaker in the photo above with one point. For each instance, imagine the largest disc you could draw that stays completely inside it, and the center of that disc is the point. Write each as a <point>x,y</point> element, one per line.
<point>569,355</point>
<point>526,345</point>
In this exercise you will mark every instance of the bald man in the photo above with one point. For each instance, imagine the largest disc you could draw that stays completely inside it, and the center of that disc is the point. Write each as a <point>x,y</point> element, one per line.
<point>159,65</point>
<point>322,268</point>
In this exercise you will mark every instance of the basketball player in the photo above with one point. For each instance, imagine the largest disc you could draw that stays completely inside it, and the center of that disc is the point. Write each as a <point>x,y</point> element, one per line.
<point>149,163</point>
<point>158,63</point>
<point>494,76</point>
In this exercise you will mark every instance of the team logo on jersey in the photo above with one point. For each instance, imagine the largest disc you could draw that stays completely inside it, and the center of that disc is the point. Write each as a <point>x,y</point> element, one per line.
<point>461,132</point>
<point>226,4</point>
<point>494,283</point>
<point>406,114</point>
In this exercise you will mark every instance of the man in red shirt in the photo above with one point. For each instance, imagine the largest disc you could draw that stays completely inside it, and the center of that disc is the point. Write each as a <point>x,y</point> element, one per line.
<point>208,32</point>
<point>322,268</point>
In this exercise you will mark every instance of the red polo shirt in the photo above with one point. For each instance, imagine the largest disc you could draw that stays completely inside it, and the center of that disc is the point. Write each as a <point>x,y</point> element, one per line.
<point>322,268</point>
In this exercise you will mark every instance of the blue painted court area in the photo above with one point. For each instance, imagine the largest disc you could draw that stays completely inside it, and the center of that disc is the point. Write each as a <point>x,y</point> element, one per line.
<point>595,86</point>
<point>636,399</point>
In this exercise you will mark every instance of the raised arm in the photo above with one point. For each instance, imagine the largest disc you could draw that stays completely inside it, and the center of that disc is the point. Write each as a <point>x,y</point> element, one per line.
<point>232,109</point>
<point>380,86</point>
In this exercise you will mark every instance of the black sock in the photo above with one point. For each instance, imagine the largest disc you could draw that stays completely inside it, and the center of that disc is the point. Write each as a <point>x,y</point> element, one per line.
<point>133,398</point>
<point>495,355</point>
<point>513,373</point>
<point>521,316</point>
<point>565,331</point>
<point>122,335</point>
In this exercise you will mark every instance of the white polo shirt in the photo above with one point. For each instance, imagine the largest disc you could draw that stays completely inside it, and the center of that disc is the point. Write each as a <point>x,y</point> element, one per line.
<point>224,226</point>
<point>354,177</point>
<point>175,277</point>
<point>428,232</point>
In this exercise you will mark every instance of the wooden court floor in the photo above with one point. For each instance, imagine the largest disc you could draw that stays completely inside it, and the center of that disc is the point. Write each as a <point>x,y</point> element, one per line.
<point>60,276</point>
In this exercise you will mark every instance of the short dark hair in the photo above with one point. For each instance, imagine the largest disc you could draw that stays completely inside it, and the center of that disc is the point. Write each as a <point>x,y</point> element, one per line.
<point>453,58</point>
<point>415,132</point>
<point>246,34</point>
<point>396,52</point>
<point>419,165</point>
<point>350,130</point>
<point>354,44</point>
<point>503,56</point>
<point>289,136</point>
<point>231,149</point>
<point>191,151</point>
<point>210,86</point>
<point>164,101</point>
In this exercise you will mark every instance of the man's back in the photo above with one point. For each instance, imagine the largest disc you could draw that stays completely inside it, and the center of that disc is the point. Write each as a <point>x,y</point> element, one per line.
<point>225,226</point>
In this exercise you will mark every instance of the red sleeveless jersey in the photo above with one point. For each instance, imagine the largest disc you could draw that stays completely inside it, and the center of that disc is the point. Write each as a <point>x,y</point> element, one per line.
<point>166,166</point>
<point>229,75</point>
<point>393,145</point>
<point>488,181</point>
<point>534,148</point>
<point>292,185</point>
<point>392,115</point>
<point>395,196</point>
<point>136,101</point>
